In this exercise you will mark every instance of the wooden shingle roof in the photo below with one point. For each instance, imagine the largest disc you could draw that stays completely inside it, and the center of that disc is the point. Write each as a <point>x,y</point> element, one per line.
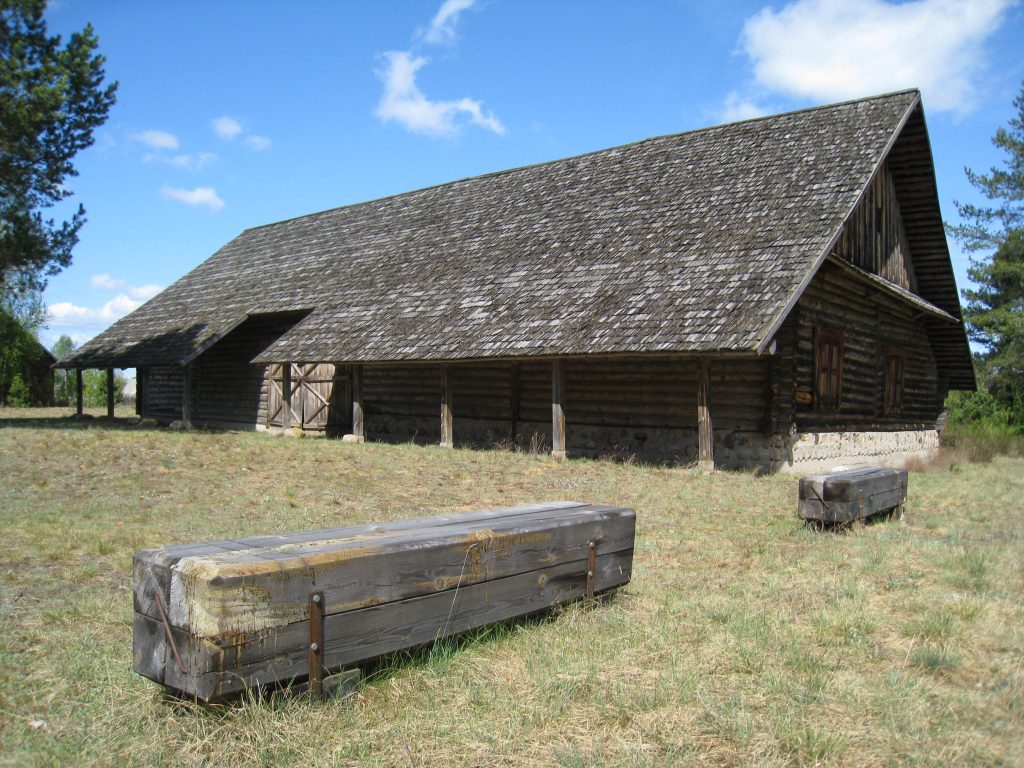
<point>694,242</point>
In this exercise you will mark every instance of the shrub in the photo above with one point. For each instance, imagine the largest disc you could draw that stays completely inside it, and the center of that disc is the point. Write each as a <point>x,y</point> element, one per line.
<point>976,407</point>
<point>19,395</point>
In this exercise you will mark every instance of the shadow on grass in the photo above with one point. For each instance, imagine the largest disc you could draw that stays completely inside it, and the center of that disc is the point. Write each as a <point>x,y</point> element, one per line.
<point>72,422</point>
<point>434,655</point>
<point>825,526</point>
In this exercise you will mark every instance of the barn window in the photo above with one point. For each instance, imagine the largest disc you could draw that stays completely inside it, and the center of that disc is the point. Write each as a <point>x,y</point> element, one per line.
<point>893,381</point>
<point>829,370</point>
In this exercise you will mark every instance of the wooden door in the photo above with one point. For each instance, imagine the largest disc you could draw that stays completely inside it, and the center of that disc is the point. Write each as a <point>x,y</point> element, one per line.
<point>318,395</point>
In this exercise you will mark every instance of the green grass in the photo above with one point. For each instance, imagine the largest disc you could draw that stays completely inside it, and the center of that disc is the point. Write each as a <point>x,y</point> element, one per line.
<point>743,639</point>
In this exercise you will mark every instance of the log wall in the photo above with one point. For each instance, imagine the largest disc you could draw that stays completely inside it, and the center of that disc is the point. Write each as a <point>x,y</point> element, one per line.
<point>621,407</point>
<point>871,323</point>
<point>159,392</point>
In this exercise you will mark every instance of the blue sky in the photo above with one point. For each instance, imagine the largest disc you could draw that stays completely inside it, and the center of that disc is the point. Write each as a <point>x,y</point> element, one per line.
<point>237,114</point>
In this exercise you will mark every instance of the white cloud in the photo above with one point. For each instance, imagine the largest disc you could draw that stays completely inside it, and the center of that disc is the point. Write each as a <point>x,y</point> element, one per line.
<point>157,139</point>
<point>739,108</point>
<point>81,323</point>
<point>829,50</point>
<point>49,338</point>
<point>226,127</point>
<point>194,162</point>
<point>257,143</point>
<point>404,103</point>
<point>105,281</point>
<point>195,197</point>
<point>104,141</point>
<point>442,26</point>
<point>144,292</point>
<point>66,314</point>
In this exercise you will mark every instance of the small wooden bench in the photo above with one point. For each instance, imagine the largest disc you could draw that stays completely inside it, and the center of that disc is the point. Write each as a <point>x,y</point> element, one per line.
<point>213,619</point>
<point>855,494</point>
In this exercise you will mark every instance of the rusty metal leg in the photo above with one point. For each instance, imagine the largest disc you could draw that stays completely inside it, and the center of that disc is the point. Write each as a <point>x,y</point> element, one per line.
<point>316,645</point>
<point>591,569</point>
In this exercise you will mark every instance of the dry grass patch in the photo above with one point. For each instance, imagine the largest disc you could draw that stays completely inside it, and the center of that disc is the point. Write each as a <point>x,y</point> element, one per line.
<point>744,639</point>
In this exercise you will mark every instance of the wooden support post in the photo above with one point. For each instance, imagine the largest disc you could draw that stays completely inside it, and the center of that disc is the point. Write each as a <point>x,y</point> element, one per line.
<point>705,435</point>
<point>270,394</point>
<point>110,393</point>
<point>447,440</point>
<point>78,391</point>
<point>557,411</point>
<point>357,435</point>
<point>141,399</point>
<point>515,402</point>
<point>186,397</point>
<point>286,396</point>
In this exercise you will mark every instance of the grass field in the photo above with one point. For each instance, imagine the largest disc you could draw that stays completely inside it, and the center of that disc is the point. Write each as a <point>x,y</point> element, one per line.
<point>744,639</point>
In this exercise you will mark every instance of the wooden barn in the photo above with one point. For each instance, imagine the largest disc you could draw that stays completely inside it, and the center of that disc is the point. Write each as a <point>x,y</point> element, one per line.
<point>774,293</point>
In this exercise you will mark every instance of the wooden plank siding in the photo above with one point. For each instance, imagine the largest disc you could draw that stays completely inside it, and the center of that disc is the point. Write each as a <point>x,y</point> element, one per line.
<point>874,237</point>
<point>870,327</point>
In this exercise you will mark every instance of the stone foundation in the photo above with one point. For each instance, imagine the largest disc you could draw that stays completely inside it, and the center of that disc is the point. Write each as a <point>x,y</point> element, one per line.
<point>827,451</point>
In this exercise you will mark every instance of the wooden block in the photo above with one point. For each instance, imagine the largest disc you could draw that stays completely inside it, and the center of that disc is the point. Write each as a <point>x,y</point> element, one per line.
<point>342,685</point>
<point>841,497</point>
<point>238,611</point>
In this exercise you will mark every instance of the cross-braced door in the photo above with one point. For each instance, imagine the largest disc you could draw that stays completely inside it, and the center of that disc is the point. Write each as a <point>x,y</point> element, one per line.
<point>316,399</point>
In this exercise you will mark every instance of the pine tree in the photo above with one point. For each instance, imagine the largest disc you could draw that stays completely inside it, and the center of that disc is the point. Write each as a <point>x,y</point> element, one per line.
<point>51,99</point>
<point>994,310</point>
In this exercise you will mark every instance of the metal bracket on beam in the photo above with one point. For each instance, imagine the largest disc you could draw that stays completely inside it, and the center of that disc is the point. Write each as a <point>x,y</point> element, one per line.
<point>591,569</point>
<point>316,645</point>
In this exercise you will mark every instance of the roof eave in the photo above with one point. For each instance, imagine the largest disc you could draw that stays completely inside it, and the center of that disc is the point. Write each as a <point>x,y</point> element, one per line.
<point>913,301</point>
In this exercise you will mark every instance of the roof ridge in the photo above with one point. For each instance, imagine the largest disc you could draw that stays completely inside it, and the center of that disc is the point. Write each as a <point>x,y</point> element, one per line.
<point>616,147</point>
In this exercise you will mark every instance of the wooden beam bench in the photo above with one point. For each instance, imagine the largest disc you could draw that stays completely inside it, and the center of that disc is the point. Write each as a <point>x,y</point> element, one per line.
<point>851,495</point>
<point>213,619</point>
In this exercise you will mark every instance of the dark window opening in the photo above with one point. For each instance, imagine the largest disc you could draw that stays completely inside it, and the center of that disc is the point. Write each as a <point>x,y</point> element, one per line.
<point>829,370</point>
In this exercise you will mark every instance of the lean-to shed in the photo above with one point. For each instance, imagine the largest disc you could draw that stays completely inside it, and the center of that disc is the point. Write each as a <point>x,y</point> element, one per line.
<point>775,292</point>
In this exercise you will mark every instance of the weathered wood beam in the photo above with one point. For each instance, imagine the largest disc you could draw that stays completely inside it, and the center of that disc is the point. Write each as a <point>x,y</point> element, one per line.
<point>270,394</point>
<point>447,440</point>
<point>514,396</point>
<point>356,388</point>
<point>705,435</point>
<point>557,410</point>
<point>216,617</point>
<point>286,396</point>
<point>78,391</point>
<point>110,393</point>
<point>186,396</point>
